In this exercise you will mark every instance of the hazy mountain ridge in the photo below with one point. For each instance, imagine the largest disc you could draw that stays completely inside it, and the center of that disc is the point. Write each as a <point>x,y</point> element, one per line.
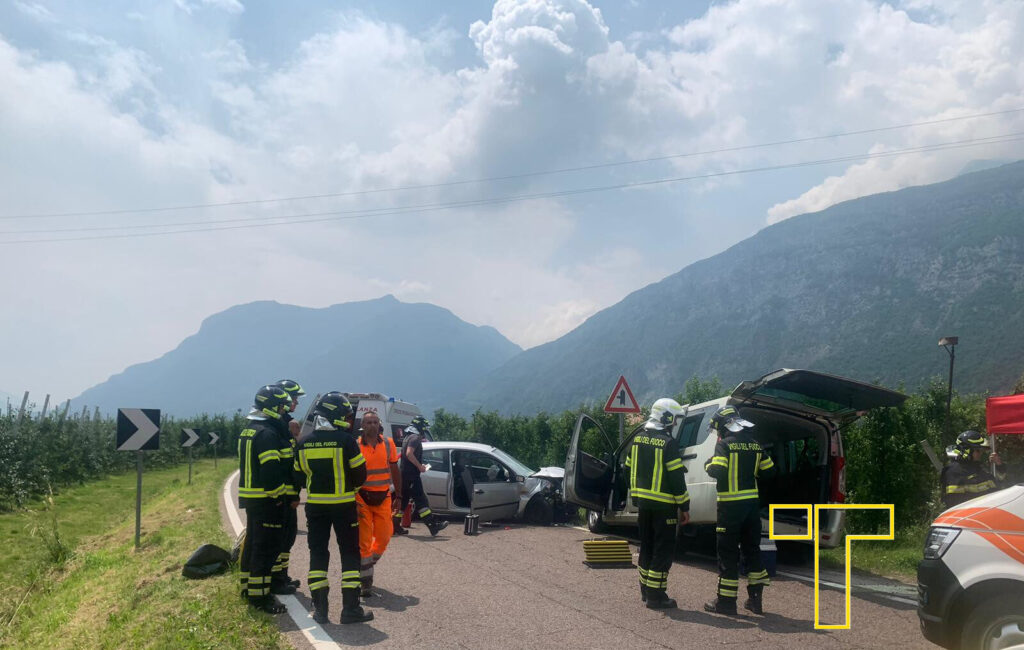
<point>418,352</point>
<point>864,288</point>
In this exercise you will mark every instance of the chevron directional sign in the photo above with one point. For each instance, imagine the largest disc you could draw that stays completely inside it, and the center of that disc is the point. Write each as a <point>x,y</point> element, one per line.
<point>213,437</point>
<point>189,437</point>
<point>138,429</point>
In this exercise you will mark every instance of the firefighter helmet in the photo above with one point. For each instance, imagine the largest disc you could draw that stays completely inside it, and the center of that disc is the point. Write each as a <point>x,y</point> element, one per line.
<point>336,408</point>
<point>420,423</point>
<point>968,441</point>
<point>728,418</point>
<point>270,399</point>
<point>663,413</point>
<point>291,387</point>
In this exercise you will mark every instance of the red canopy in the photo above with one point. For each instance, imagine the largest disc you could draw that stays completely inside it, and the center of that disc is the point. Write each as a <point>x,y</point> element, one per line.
<point>1005,414</point>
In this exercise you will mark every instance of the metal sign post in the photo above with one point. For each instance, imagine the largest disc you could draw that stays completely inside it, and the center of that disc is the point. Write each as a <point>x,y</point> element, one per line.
<point>189,437</point>
<point>138,430</point>
<point>214,437</point>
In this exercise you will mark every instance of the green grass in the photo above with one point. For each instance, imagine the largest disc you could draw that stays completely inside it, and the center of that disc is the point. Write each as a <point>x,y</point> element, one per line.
<point>897,559</point>
<point>107,594</point>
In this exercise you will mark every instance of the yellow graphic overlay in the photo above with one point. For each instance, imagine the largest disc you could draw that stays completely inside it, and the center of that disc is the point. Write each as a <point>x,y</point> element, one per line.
<point>812,532</point>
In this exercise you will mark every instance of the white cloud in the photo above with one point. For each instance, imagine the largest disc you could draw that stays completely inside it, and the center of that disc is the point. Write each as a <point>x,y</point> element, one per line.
<point>35,10</point>
<point>366,104</point>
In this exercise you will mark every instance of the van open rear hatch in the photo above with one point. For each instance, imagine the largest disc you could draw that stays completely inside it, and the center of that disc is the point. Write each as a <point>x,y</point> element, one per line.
<point>798,415</point>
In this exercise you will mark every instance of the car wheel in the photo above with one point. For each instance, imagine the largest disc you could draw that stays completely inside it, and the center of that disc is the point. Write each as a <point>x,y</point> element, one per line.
<point>595,523</point>
<point>995,624</point>
<point>539,512</point>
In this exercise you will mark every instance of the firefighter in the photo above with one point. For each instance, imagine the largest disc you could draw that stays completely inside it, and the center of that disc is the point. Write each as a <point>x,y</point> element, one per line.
<point>261,488</point>
<point>738,463</point>
<point>333,468</point>
<point>374,498</point>
<point>412,467</point>
<point>657,484</point>
<point>280,581</point>
<point>966,478</point>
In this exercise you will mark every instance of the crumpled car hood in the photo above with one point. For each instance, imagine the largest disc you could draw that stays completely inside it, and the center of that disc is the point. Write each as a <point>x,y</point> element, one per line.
<point>549,472</point>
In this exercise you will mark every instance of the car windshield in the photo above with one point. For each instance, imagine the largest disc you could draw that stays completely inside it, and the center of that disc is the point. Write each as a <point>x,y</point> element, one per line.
<point>514,465</point>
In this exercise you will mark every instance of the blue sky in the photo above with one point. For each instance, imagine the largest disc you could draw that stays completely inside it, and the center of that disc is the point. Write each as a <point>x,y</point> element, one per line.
<point>127,105</point>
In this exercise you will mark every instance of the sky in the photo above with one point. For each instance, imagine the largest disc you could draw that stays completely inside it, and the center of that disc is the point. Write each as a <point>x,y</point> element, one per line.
<point>523,164</point>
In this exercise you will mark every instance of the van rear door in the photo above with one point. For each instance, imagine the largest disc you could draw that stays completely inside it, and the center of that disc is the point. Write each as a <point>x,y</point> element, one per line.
<point>588,476</point>
<point>836,399</point>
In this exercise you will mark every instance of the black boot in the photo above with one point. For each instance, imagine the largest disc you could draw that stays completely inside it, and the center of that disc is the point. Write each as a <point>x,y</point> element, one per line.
<point>280,585</point>
<point>643,593</point>
<point>397,524</point>
<point>721,606</point>
<point>366,587</point>
<point>753,601</point>
<point>351,611</point>
<point>435,525</point>
<point>658,599</point>
<point>320,605</point>
<point>267,604</point>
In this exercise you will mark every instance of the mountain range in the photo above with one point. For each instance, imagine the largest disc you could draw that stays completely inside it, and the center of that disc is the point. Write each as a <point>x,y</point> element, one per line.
<point>864,289</point>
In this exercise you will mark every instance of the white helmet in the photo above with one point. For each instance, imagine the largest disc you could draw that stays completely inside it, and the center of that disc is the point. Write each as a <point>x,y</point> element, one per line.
<point>664,413</point>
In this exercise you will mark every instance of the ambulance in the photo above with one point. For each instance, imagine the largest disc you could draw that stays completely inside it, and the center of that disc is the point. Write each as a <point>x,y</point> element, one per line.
<point>395,415</point>
<point>971,581</point>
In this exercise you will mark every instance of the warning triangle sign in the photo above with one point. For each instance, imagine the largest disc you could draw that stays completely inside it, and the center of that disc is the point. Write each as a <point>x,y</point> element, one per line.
<point>621,400</point>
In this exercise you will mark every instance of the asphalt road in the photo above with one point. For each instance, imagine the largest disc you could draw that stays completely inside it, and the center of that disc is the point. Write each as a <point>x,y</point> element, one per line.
<point>517,586</point>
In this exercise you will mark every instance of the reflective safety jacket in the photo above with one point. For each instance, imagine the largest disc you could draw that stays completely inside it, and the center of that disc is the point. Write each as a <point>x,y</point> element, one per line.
<point>963,480</point>
<point>738,462</point>
<point>262,474</point>
<point>379,459</point>
<point>657,478</point>
<point>331,463</point>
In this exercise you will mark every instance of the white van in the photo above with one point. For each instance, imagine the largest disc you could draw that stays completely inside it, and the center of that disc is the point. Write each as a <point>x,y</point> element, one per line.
<point>970,584</point>
<point>395,415</point>
<point>798,417</point>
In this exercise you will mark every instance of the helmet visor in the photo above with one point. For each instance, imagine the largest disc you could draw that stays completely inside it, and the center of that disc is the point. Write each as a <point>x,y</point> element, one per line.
<point>737,424</point>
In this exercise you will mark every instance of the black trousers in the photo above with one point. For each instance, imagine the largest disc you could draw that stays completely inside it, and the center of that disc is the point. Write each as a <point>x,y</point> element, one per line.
<point>412,489</point>
<point>739,529</point>
<point>289,530</point>
<point>344,519</point>
<point>260,549</point>
<point>657,547</point>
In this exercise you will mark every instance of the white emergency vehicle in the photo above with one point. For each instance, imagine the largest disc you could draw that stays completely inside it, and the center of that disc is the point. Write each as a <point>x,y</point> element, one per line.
<point>971,581</point>
<point>395,415</point>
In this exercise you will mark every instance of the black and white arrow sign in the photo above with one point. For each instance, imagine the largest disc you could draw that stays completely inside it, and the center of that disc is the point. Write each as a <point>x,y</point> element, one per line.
<point>138,429</point>
<point>189,437</point>
<point>213,437</point>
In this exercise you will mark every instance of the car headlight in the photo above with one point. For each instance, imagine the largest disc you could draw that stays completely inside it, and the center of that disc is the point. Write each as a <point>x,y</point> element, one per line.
<point>939,539</point>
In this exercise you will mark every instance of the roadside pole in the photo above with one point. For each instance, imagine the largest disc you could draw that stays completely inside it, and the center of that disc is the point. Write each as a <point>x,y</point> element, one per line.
<point>622,427</point>
<point>214,437</point>
<point>138,497</point>
<point>190,466</point>
<point>189,437</point>
<point>138,430</point>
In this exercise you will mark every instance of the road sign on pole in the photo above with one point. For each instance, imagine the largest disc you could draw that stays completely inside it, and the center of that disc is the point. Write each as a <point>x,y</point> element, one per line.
<point>138,430</point>
<point>189,437</point>
<point>621,400</point>
<point>213,445</point>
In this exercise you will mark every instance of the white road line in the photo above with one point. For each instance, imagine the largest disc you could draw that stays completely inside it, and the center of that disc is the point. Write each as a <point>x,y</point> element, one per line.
<point>315,634</point>
<point>841,587</point>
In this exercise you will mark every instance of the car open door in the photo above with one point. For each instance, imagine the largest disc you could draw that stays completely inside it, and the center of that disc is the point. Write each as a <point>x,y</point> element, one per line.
<point>835,398</point>
<point>588,477</point>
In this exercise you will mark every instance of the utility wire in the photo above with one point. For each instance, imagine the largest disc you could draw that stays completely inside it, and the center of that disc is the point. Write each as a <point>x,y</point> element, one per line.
<point>489,179</point>
<point>316,217</point>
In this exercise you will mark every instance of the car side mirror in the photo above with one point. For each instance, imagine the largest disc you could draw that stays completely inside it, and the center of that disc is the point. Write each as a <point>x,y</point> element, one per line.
<point>518,479</point>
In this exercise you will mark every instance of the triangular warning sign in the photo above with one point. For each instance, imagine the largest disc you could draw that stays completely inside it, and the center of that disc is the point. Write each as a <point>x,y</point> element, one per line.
<point>621,399</point>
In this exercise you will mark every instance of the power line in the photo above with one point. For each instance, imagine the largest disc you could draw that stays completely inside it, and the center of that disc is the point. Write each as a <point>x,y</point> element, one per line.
<point>317,217</point>
<point>489,179</point>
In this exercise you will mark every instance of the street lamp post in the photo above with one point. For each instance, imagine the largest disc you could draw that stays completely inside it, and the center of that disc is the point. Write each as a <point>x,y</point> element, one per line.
<point>949,343</point>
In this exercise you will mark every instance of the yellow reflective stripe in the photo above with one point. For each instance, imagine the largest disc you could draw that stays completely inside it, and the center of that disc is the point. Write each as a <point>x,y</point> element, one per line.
<point>269,455</point>
<point>632,472</point>
<point>248,462</point>
<point>728,583</point>
<point>719,460</point>
<point>683,498</point>
<point>641,493</point>
<point>757,463</point>
<point>356,461</point>
<point>350,575</point>
<point>673,465</point>
<point>734,474</point>
<point>331,498</point>
<point>658,471</point>
<point>767,463</point>
<point>975,488</point>
<point>318,454</point>
<point>739,495</point>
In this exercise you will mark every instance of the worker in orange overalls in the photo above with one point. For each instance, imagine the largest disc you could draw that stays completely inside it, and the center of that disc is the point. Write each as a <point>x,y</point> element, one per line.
<point>374,499</point>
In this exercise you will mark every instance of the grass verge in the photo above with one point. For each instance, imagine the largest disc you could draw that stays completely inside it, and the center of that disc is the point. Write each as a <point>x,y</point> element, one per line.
<point>101,592</point>
<point>897,558</point>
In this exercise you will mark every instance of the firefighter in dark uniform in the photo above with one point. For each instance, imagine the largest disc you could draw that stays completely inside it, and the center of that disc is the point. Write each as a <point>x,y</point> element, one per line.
<point>657,484</point>
<point>966,478</point>
<point>412,466</point>
<point>261,487</point>
<point>280,581</point>
<point>329,459</point>
<point>738,463</point>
